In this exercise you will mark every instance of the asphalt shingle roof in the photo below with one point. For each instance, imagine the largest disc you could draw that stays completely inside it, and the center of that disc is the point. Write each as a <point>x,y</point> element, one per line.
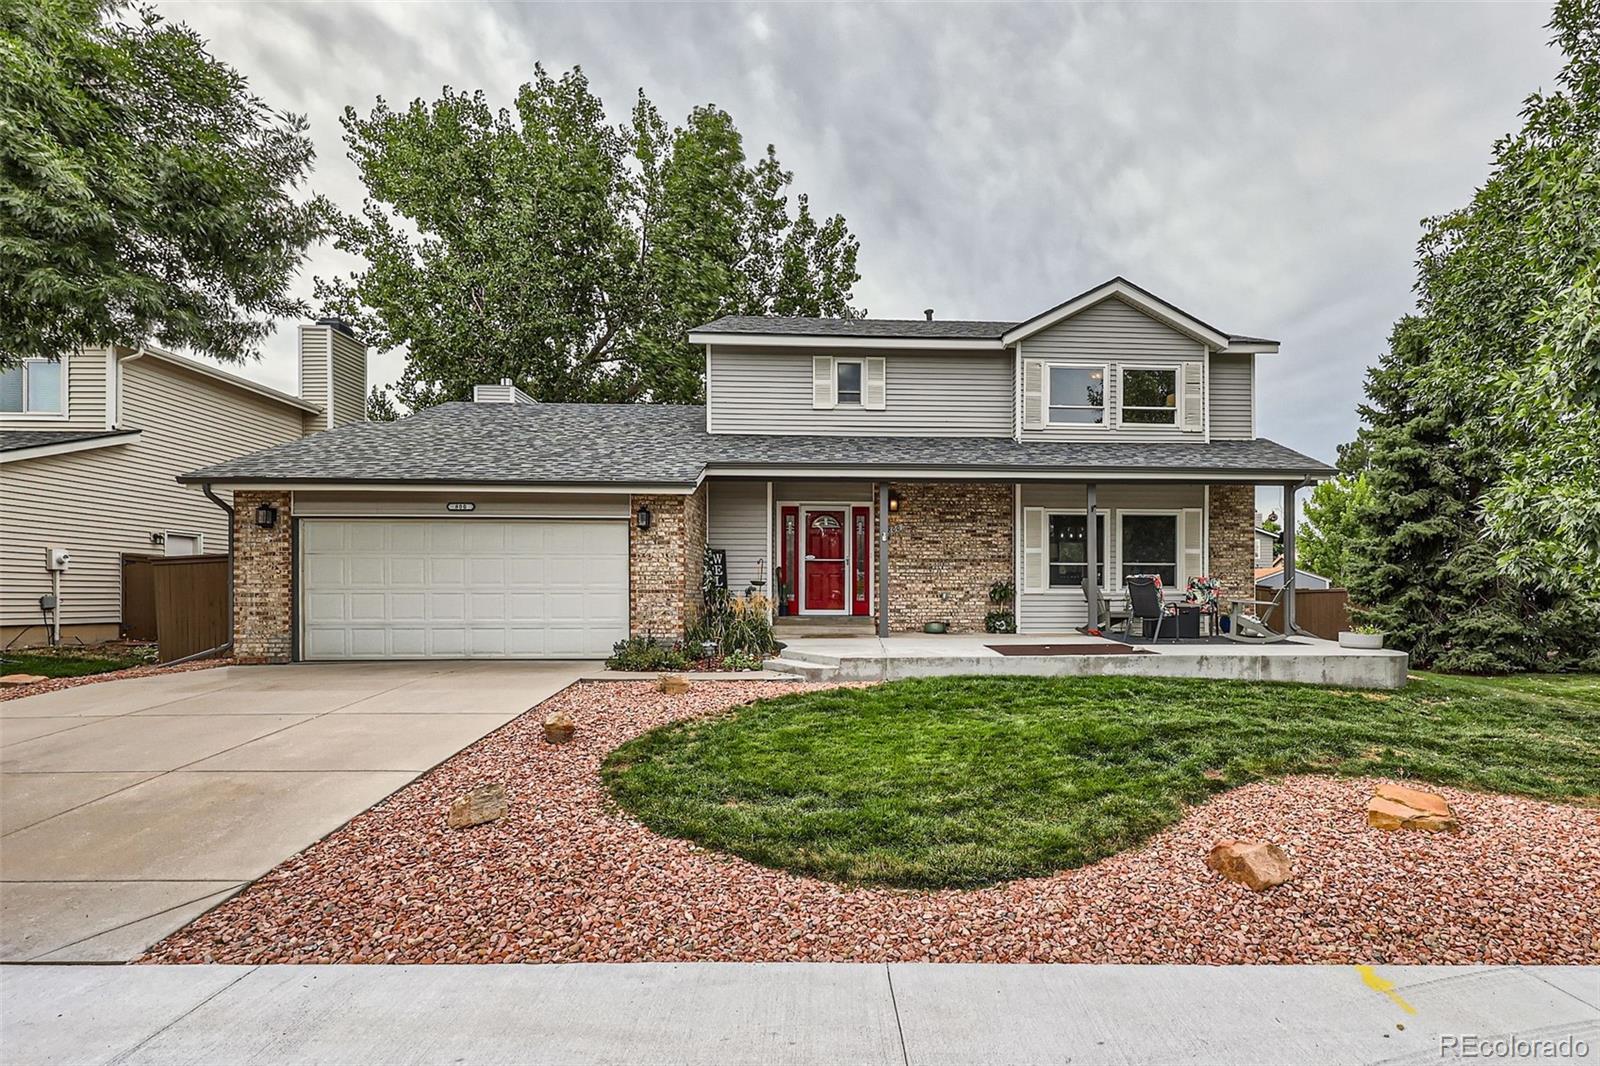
<point>880,328</point>
<point>597,444</point>
<point>909,328</point>
<point>12,440</point>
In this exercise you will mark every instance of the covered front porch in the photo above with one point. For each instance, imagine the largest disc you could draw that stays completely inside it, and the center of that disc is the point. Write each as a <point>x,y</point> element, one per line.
<point>897,554</point>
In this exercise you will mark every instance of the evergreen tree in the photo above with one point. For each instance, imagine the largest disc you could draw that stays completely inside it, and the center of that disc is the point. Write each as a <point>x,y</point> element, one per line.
<point>1420,566</point>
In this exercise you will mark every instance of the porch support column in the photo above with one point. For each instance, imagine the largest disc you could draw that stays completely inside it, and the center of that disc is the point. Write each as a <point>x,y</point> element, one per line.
<point>1092,550</point>
<point>883,558</point>
<point>1289,565</point>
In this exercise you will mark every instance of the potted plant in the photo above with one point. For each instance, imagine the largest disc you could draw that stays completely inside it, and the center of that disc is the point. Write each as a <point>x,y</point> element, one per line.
<point>1364,637</point>
<point>1002,618</point>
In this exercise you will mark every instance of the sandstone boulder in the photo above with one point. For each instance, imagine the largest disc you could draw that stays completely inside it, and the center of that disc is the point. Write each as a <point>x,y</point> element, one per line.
<point>20,679</point>
<point>1398,807</point>
<point>559,727</point>
<point>483,804</point>
<point>673,684</point>
<point>1256,865</point>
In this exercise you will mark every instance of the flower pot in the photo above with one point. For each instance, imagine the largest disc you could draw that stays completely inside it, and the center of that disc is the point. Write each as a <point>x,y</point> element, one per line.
<point>935,627</point>
<point>1363,641</point>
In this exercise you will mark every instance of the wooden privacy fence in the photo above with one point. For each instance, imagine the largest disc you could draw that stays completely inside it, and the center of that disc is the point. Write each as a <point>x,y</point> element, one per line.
<point>180,602</point>
<point>139,597</point>
<point>1321,612</point>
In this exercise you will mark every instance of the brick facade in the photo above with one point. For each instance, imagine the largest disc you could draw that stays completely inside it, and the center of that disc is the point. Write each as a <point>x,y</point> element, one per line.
<point>1232,538</point>
<point>664,563</point>
<point>263,589</point>
<point>948,542</point>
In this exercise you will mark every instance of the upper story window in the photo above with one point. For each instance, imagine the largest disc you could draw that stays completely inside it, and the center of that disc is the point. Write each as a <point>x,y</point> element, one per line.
<point>1078,395</point>
<point>847,380</point>
<point>35,387</point>
<point>1149,397</point>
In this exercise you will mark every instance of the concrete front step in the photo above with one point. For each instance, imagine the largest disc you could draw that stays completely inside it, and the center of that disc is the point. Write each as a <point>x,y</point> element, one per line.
<point>805,671</point>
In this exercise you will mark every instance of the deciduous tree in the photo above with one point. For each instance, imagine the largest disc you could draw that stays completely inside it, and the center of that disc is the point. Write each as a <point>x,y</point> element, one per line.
<point>145,194</point>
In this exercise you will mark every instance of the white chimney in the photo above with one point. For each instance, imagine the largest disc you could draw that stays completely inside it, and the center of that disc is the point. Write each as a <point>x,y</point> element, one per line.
<point>333,374</point>
<point>505,392</point>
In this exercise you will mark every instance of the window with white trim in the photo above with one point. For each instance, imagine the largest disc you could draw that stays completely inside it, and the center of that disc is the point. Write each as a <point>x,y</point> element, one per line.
<point>1149,396</point>
<point>1149,545</point>
<point>847,380</point>
<point>1077,395</point>
<point>34,387</point>
<point>1069,549</point>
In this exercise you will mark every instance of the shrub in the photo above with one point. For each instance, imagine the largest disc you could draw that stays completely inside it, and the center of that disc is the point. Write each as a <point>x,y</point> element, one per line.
<point>1001,618</point>
<point>649,653</point>
<point>733,624</point>
<point>740,660</point>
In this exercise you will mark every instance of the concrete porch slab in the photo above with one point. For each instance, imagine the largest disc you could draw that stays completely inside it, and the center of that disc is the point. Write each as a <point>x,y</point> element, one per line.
<point>1309,660</point>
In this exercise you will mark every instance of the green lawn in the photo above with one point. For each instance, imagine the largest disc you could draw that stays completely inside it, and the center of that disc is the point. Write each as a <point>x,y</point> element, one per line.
<point>75,662</point>
<point>968,781</point>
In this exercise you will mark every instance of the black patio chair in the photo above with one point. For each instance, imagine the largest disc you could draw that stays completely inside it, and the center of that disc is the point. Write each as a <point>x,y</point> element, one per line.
<point>1145,602</point>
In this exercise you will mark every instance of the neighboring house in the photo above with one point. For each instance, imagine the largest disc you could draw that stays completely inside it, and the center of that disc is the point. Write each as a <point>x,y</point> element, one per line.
<point>891,469</point>
<point>91,447</point>
<point>1271,577</point>
<point>1269,544</point>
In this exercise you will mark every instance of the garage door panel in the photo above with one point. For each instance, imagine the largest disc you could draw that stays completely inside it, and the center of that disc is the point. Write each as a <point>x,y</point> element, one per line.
<point>420,588</point>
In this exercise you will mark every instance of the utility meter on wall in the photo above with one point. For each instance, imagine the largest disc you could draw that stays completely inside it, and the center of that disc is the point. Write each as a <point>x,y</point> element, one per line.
<point>56,558</point>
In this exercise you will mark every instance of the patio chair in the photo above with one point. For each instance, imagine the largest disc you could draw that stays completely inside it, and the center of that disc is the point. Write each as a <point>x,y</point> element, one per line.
<point>1246,628</point>
<point>1145,602</point>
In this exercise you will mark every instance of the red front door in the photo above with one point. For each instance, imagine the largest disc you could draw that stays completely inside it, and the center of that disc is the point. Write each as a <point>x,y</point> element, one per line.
<point>824,563</point>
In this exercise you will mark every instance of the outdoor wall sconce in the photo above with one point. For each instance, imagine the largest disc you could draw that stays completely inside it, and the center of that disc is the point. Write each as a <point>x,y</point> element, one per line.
<point>266,516</point>
<point>642,519</point>
<point>895,500</point>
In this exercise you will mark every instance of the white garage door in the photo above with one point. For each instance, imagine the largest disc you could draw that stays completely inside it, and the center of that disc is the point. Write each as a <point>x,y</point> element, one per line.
<point>468,588</point>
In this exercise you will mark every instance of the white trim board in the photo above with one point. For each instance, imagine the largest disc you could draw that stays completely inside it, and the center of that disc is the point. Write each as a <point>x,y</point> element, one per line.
<point>40,451</point>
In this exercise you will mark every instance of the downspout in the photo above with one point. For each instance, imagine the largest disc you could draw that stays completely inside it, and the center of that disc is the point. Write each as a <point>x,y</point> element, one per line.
<point>205,487</point>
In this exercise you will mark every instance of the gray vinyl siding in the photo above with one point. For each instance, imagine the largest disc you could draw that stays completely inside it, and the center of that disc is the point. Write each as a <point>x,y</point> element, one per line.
<point>1231,398</point>
<point>1060,610</point>
<point>106,501</point>
<point>86,397</point>
<point>821,492</point>
<point>314,366</point>
<point>1114,334</point>
<point>940,394</point>
<point>736,522</point>
<point>349,394</point>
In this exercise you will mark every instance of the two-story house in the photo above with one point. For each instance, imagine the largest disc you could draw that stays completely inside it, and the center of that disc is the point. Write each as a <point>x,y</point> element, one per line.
<point>885,469</point>
<point>91,446</point>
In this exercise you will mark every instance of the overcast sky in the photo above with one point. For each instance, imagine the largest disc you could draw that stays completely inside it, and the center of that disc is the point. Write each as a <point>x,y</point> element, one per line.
<point>1263,166</point>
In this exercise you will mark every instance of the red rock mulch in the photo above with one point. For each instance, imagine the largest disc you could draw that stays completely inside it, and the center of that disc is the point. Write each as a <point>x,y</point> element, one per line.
<point>8,692</point>
<point>566,877</point>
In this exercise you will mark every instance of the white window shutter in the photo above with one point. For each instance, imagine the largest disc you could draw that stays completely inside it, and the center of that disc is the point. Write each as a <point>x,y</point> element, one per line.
<point>1032,394</point>
<point>874,390</point>
<point>1194,397</point>
<point>823,396</point>
<point>1033,560</point>
<point>1192,546</point>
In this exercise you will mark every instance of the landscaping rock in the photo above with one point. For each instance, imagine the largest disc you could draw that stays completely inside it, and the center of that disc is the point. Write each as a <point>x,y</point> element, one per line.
<point>21,679</point>
<point>485,803</point>
<point>559,727</point>
<point>673,684</point>
<point>1258,866</point>
<point>1398,807</point>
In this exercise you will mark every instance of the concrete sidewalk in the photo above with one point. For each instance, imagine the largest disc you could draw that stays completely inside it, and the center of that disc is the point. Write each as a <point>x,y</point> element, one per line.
<point>796,1013</point>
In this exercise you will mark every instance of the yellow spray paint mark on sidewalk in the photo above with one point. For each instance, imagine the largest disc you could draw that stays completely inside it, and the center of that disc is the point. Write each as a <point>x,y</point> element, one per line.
<point>1370,978</point>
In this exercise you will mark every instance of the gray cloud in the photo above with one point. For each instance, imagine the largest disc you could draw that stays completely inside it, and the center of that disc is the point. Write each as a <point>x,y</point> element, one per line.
<point>1264,166</point>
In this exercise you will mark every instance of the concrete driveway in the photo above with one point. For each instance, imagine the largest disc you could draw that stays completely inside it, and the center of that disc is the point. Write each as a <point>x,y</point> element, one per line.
<point>129,808</point>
